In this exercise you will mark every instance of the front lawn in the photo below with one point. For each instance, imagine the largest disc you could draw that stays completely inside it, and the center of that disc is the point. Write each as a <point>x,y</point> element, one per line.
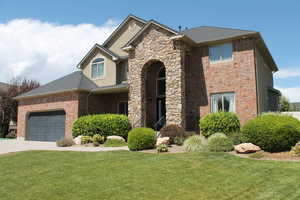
<point>120,175</point>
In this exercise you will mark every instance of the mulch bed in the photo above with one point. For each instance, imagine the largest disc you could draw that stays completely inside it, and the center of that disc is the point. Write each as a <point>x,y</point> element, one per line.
<point>280,156</point>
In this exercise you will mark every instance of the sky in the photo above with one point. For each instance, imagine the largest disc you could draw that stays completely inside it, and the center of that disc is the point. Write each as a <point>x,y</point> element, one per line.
<point>44,40</point>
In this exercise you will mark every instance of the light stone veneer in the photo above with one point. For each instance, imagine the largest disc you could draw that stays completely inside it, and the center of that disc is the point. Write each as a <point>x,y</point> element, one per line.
<point>155,45</point>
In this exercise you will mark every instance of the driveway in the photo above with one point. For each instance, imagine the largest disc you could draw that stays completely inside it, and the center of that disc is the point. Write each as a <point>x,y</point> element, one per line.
<point>9,146</point>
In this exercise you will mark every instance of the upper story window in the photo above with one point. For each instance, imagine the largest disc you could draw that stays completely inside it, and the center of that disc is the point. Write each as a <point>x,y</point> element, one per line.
<point>223,102</point>
<point>97,68</point>
<point>220,53</point>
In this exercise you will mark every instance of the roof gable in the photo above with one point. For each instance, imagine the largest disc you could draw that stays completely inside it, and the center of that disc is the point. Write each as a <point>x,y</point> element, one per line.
<point>151,22</point>
<point>118,29</point>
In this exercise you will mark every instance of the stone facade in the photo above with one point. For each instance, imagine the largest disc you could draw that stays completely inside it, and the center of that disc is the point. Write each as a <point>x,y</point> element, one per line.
<point>64,101</point>
<point>155,45</point>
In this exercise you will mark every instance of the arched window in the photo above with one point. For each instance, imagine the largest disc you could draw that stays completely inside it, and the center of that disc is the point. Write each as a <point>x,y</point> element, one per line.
<point>161,82</point>
<point>97,69</point>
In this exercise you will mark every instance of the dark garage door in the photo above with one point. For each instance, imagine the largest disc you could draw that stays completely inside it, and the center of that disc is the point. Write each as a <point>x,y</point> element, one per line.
<point>46,126</point>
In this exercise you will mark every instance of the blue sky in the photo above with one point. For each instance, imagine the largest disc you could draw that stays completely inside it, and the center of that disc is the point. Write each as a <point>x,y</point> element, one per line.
<point>277,21</point>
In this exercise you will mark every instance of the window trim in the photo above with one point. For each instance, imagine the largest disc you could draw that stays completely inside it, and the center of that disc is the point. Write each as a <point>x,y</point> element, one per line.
<point>220,61</point>
<point>223,93</point>
<point>104,69</point>
<point>118,107</point>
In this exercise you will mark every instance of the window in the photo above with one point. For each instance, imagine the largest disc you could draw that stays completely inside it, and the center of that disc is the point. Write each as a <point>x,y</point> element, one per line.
<point>123,108</point>
<point>223,102</point>
<point>161,82</point>
<point>97,68</point>
<point>221,52</point>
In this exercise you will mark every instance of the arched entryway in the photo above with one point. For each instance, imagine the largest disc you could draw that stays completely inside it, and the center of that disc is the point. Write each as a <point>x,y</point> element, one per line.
<point>154,94</point>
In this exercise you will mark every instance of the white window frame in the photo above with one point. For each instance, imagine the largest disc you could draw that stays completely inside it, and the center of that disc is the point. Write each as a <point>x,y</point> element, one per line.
<point>221,60</point>
<point>104,70</point>
<point>222,94</point>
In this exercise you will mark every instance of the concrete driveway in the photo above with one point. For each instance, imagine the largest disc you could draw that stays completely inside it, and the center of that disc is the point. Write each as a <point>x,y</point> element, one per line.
<point>9,146</point>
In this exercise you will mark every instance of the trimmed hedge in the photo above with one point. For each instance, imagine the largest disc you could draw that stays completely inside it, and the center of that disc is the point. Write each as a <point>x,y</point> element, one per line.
<point>141,138</point>
<point>224,122</point>
<point>219,142</point>
<point>103,124</point>
<point>272,132</point>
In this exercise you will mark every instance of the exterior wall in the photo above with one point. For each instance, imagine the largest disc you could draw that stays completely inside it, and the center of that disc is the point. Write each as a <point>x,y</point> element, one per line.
<point>109,69</point>
<point>205,79</point>
<point>66,101</point>
<point>125,34</point>
<point>264,82</point>
<point>155,45</point>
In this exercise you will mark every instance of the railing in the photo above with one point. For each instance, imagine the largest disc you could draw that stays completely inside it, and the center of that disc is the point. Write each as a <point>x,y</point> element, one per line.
<point>160,123</point>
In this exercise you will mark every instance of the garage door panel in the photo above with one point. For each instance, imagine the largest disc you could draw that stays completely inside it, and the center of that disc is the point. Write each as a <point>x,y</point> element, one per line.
<point>46,126</point>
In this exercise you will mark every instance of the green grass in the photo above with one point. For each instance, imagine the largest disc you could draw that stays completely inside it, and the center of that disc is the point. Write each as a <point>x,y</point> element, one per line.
<point>122,175</point>
<point>114,143</point>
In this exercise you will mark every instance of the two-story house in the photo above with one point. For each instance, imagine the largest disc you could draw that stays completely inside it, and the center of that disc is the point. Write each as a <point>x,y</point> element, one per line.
<point>156,76</point>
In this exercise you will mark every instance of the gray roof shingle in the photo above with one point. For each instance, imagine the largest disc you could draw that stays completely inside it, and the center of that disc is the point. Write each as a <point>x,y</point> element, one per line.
<point>208,33</point>
<point>74,81</point>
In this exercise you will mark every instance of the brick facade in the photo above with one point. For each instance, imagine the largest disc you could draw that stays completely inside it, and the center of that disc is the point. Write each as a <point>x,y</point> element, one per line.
<point>65,101</point>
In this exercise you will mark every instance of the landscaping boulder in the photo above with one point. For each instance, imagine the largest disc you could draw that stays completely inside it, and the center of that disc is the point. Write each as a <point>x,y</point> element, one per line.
<point>115,137</point>
<point>77,140</point>
<point>163,140</point>
<point>246,148</point>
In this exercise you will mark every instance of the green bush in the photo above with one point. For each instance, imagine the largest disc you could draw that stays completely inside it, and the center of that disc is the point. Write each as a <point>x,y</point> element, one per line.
<point>235,137</point>
<point>195,143</point>
<point>86,139</point>
<point>219,142</point>
<point>114,143</point>
<point>65,142</point>
<point>172,131</point>
<point>224,122</point>
<point>178,140</point>
<point>162,148</point>
<point>272,132</point>
<point>97,138</point>
<point>141,138</point>
<point>103,124</point>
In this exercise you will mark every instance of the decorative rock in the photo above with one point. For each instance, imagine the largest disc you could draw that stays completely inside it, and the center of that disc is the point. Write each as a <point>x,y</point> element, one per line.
<point>115,137</point>
<point>77,140</point>
<point>246,148</point>
<point>163,140</point>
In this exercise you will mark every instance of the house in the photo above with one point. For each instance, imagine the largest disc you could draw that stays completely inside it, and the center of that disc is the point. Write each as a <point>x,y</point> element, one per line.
<point>156,75</point>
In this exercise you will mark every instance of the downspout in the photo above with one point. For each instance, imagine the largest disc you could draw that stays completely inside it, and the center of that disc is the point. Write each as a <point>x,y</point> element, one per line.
<point>256,81</point>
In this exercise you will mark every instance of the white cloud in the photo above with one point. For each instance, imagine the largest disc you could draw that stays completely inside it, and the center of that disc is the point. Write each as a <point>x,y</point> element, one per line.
<point>292,93</point>
<point>45,51</point>
<point>287,73</point>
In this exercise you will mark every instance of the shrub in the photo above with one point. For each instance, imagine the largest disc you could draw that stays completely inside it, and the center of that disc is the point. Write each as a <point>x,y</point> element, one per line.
<point>224,122</point>
<point>114,143</point>
<point>103,124</point>
<point>195,143</point>
<point>86,139</point>
<point>219,142</point>
<point>172,131</point>
<point>178,140</point>
<point>97,138</point>
<point>235,137</point>
<point>65,142</point>
<point>11,135</point>
<point>296,150</point>
<point>141,138</point>
<point>162,148</point>
<point>272,132</point>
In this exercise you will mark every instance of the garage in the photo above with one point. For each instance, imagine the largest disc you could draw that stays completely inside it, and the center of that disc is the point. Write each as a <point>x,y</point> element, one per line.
<point>46,126</point>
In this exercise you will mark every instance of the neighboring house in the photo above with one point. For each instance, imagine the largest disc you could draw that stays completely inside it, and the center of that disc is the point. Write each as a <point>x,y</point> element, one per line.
<point>156,75</point>
<point>296,105</point>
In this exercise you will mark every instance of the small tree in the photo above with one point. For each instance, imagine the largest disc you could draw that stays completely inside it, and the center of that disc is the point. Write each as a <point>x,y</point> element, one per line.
<point>9,106</point>
<point>284,104</point>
